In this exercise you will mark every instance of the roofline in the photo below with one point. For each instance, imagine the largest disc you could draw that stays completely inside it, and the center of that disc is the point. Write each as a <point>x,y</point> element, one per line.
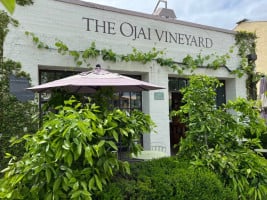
<point>144,15</point>
<point>250,21</point>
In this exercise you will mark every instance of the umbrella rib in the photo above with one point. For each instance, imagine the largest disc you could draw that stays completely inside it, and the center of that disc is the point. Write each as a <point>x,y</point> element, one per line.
<point>143,88</point>
<point>78,88</point>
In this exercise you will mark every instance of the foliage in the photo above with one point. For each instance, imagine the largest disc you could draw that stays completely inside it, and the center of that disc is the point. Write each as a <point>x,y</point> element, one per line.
<point>166,178</point>
<point>142,57</point>
<point>242,169</point>
<point>213,135</point>
<point>246,42</point>
<point>189,62</point>
<point>9,5</point>
<point>16,119</point>
<point>5,20</point>
<point>73,155</point>
<point>15,116</point>
<point>24,2</point>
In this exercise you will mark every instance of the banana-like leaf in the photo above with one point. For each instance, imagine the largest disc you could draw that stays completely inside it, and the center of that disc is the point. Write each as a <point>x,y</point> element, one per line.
<point>9,5</point>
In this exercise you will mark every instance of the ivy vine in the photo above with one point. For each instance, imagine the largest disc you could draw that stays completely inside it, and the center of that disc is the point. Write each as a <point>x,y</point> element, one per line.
<point>246,43</point>
<point>188,63</point>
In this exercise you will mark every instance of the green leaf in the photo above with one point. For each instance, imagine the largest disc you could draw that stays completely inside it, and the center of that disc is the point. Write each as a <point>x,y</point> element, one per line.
<point>124,132</point>
<point>88,155</point>
<point>69,159</point>
<point>92,183</point>
<point>112,144</point>
<point>98,182</point>
<point>115,135</point>
<point>76,194</point>
<point>101,143</point>
<point>9,5</point>
<point>18,179</point>
<point>56,184</point>
<point>66,145</point>
<point>48,174</point>
<point>79,149</point>
<point>87,194</point>
<point>76,186</point>
<point>48,196</point>
<point>84,185</point>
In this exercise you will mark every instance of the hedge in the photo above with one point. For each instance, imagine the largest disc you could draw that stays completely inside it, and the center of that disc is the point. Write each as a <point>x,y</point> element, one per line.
<point>166,178</point>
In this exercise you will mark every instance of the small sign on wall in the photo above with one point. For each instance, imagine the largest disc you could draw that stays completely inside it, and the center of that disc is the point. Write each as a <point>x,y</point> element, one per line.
<point>158,96</point>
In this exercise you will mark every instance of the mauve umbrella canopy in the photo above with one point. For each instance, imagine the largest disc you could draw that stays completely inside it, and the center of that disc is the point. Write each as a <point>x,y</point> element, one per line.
<point>90,82</point>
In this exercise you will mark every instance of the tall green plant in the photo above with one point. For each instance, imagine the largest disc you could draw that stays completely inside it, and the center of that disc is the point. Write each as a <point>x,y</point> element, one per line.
<point>15,116</point>
<point>246,43</point>
<point>213,137</point>
<point>74,154</point>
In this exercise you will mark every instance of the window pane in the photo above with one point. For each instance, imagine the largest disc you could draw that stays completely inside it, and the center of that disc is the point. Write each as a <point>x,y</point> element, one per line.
<point>136,100</point>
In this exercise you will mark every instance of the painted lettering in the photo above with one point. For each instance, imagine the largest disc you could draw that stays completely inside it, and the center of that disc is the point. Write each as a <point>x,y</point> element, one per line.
<point>111,28</point>
<point>160,35</point>
<point>181,38</point>
<point>98,25</point>
<point>141,33</point>
<point>187,37</point>
<point>209,43</point>
<point>201,42</point>
<point>193,40</point>
<point>126,29</point>
<point>135,32</point>
<point>172,37</point>
<point>88,20</point>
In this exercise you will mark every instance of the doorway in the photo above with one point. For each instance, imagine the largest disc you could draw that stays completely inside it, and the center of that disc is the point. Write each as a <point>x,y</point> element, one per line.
<point>177,128</point>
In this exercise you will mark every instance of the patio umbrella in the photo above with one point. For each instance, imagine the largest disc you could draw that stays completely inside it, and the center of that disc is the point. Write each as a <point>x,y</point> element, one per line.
<point>263,96</point>
<point>90,82</point>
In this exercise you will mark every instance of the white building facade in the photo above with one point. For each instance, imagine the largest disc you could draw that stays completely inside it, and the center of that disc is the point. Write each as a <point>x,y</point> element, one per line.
<point>78,24</point>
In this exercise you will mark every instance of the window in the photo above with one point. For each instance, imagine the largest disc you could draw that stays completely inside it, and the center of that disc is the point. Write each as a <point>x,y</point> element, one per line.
<point>175,84</point>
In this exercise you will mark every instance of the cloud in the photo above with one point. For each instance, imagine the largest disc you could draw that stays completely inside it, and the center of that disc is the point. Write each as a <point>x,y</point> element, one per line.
<point>222,14</point>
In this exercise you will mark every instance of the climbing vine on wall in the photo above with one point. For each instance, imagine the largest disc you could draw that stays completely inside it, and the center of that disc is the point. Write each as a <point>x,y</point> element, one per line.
<point>246,43</point>
<point>190,63</point>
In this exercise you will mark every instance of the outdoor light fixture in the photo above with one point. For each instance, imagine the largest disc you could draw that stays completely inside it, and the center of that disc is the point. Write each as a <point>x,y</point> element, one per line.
<point>252,57</point>
<point>98,68</point>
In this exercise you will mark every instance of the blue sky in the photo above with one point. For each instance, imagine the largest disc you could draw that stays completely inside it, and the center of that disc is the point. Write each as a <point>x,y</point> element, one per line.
<point>217,13</point>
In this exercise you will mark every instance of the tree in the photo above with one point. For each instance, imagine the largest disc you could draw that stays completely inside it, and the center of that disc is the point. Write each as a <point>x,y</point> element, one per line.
<point>15,116</point>
<point>214,134</point>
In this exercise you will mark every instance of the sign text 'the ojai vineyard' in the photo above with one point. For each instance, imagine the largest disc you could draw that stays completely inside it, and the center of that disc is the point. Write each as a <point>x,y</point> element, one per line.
<point>134,32</point>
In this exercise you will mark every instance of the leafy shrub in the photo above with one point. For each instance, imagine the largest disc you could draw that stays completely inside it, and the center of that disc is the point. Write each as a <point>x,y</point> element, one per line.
<point>16,118</point>
<point>72,155</point>
<point>168,179</point>
<point>212,137</point>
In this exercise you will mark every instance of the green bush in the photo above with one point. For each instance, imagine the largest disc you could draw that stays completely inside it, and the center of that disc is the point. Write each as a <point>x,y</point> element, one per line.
<point>72,155</point>
<point>212,137</point>
<point>168,179</point>
<point>16,118</point>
